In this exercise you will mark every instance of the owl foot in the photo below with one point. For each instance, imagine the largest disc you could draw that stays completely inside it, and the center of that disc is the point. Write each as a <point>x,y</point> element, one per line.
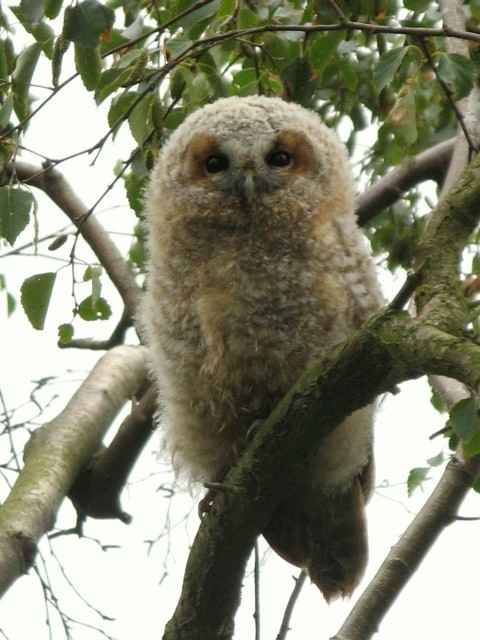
<point>206,502</point>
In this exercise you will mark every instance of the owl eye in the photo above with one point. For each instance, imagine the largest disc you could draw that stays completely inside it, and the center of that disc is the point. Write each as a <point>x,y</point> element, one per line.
<point>279,159</point>
<point>216,162</point>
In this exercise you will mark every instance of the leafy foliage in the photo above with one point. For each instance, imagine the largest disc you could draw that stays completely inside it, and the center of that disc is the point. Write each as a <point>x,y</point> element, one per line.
<point>155,63</point>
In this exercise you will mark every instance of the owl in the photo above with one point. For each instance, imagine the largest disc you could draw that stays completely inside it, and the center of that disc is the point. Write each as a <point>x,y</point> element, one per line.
<point>256,267</point>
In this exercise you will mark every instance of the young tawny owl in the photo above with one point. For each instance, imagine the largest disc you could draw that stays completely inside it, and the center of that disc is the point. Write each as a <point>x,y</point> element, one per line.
<point>256,267</point>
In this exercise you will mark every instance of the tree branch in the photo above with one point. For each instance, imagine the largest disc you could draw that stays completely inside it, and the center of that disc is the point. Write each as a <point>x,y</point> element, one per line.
<point>440,291</point>
<point>59,190</point>
<point>405,557</point>
<point>285,626</point>
<point>96,491</point>
<point>431,164</point>
<point>388,350</point>
<point>56,453</point>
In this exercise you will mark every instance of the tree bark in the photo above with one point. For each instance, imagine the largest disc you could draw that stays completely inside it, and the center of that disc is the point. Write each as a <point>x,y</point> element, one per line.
<point>56,453</point>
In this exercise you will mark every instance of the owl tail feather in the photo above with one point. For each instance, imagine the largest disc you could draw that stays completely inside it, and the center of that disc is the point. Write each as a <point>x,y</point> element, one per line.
<point>325,534</point>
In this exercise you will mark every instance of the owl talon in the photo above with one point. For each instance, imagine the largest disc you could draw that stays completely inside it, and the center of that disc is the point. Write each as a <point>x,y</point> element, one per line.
<point>205,503</point>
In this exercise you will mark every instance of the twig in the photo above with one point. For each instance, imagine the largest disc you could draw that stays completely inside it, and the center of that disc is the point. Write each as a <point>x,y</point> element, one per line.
<point>117,337</point>
<point>59,190</point>
<point>407,290</point>
<point>256,573</point>
<point>285,626</point>
<point>449,95</point>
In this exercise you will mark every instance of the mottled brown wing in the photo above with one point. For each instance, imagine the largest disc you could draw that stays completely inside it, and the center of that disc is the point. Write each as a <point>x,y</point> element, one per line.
<point>325,534</point>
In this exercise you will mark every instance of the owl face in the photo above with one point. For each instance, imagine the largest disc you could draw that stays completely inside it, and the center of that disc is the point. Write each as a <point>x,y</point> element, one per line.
<point>244,170</point>
<point>242,161</point>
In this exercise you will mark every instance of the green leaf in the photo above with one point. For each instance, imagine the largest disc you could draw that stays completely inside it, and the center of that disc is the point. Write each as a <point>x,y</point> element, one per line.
<point>138,120</point>
<point>94,274</point>
<point>177,45</point>
<point>110,81</point>
<point>53,8</point>
<point>36,292</point>
<point>119,108</point>
<point>11,302</point>
<point>464,418</point>
<point>437,460</point>
<point>472,446</point>
<point>89,311</point>
<point>174,119</point>
<point>32,10</point>
<point>350,78</point>
<point>85,22</point>
<point>89,65</point>
<point>323,47</point>
<point>419,6</point>
<point>15,208</point>
<point>416,478</point>
<point>135,188</point>
<point>4,73</point>
<point>22,77</point>
<point>403,117</point>
<point>41,31</point>
<point>245,81</point>
<point>387,66</point>
<point>458,71</point>
<point>6,111</point>
<point>65,333</point>
<point>225,9</point>
<point>474,7</point>
<point>213,75</point>
<point>247,19</point>
<point>476,485</point>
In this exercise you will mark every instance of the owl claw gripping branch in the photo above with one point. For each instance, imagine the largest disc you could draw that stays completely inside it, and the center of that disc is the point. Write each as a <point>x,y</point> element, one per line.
<point>256,267</point>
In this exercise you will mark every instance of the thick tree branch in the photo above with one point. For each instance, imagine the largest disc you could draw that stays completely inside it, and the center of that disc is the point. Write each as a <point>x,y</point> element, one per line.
<point>450,390</point>
<point>57,452</point>
<point>454,19</point>
<point>439,299</point>
<point>59,190</point>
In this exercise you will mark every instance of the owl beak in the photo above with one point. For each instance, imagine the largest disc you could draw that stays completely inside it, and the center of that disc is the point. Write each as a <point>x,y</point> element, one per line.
<point>248,186</point>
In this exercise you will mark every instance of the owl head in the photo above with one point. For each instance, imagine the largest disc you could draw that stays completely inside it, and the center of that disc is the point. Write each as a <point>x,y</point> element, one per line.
<point>252,160</point>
